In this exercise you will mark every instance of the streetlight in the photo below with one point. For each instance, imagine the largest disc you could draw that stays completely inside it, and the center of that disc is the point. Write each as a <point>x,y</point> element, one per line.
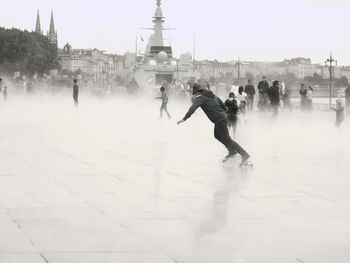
<point>329,63</point>
<point>238,67</point>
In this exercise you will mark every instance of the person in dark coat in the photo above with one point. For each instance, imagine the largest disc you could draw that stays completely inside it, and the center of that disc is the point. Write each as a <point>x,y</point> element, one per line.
<point>231,110</point>
<point>274,96</point>
<point>347,98</point>
<point>214,108</point>
<point>303,98</point>
<point>263,88</point>
<point>250,91</point>
<point>75,91</point>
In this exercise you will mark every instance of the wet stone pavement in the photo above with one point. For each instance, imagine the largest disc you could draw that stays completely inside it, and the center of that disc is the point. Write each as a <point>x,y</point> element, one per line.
<point>109,182</point>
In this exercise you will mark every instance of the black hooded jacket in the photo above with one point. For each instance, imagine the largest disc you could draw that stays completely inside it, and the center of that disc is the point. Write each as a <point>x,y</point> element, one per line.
<point>212,106</point>
<point>274,95</point>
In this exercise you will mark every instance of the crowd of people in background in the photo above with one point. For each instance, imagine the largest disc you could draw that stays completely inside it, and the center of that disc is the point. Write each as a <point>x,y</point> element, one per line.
<point>272,96</point>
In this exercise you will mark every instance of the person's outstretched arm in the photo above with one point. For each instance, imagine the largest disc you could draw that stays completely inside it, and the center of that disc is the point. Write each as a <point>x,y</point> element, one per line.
<point>196,104</point>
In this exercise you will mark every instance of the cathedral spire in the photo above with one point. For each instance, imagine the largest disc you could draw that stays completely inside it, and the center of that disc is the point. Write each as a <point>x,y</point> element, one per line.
<point>52,34</point>
<point>38,25</point>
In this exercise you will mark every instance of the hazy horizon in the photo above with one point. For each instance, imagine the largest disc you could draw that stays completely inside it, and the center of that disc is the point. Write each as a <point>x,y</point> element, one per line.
<point>225,30</point>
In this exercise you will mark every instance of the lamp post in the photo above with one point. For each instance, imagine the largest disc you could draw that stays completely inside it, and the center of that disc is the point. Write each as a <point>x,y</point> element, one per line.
<point>330,64</point>
<point>177,74</point>
<point>238,67</point>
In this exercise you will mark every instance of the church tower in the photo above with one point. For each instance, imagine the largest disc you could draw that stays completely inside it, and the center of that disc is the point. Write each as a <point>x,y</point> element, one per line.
<point>52,34</point>
<point>38,25</point>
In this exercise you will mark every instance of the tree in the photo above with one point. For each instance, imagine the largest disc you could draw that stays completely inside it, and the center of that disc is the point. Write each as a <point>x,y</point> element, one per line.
<point>343,81</point>
<point>314,79</point>
<point>27,52</point>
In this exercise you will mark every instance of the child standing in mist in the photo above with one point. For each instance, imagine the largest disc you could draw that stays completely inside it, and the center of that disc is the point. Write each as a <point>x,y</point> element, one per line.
<point>75,92</point>
<point>164,105</point>
<point>231,111</point>
<point>339,109</point>
<point>242,97</point>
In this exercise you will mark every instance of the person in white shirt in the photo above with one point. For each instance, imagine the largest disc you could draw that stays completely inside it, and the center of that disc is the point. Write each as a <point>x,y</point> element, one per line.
<point>242,98</point>
<point>235,88</point>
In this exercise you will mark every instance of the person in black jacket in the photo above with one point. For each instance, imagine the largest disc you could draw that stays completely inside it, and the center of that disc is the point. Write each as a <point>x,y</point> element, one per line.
<point>263,88</point>
<point>274,96</point>
<point>231,110</point>
<point>347,98</point>
<point>75,92</point>
<point>303,98</point>
<point>214,108</point>
<point>250,90</point>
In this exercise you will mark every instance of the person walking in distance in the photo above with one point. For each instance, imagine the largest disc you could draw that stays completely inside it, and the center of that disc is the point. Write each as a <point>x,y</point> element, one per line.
<point>164,106</point>
<point>75,91</point>
<point>5,93</point>
<point>250,91</point>
<point>231,110</point>
<point>303,94</point>
<point>285,95</point>
<point>347,99</point>
<point>339,109</point>
<point>215,109</point>
<point>274,96</point>
<point>263,88</point>
<point>242,98</point>
<point>309,94</point>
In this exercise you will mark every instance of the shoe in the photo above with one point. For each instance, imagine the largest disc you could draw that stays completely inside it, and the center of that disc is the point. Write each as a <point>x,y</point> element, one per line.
<point>245,159</point>
<point>230,155</point>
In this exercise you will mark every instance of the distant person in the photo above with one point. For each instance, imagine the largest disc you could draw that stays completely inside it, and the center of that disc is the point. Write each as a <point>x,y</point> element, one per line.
<point>235,88</point>
<point>0,84</point>
<point>164,106</point>
<point>339,109</point>
<point>75,91</point>
<point>5,93</point>
<point>242,98</point>
<point>215,109</point>
<point>231,110</point>
<point>25,85</point>
<point>250,91</point>
<point>347,97</point>
<point>303,94</point>
<point>274,96</point>
<point>30,86</point>
<point>263,88</point>
<point>309,94</point>
<point>286,97</point>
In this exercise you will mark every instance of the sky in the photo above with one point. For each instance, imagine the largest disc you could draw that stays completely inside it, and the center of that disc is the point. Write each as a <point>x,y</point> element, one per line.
<point>252,30</point>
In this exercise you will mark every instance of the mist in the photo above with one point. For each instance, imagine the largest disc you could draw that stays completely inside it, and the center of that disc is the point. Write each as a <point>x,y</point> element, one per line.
<point>109,175</point>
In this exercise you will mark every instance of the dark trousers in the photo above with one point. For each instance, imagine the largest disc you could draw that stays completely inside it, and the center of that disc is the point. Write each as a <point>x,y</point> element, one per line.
<point>222,135</point>
<point>232,122</point>
<point>75,97</point>
<point>165,108</point>
<point>275,111</point>
<point>250,102</point>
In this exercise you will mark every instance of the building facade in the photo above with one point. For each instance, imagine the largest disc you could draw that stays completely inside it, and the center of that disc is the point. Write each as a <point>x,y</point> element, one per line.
<point>92,63</point>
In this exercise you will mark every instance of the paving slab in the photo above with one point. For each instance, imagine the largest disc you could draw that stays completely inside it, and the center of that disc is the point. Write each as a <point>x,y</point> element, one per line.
<point>108,182</point>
